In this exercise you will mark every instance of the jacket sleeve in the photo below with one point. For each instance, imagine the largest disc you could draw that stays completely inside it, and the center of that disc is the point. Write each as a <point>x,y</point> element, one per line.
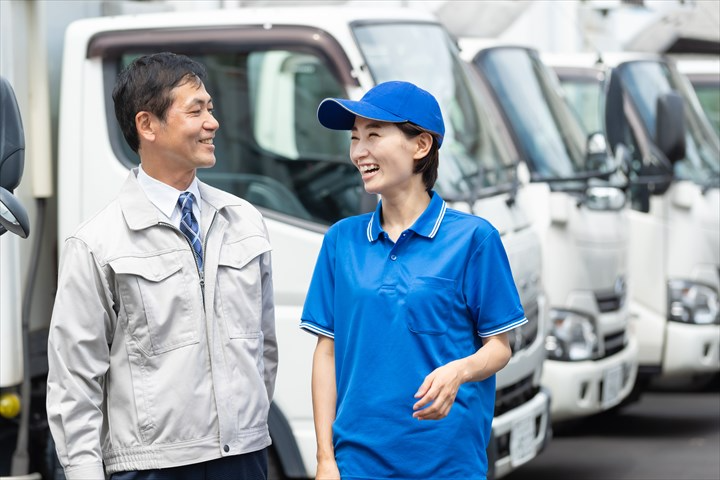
<point>78,358</point>
<point>270,350</point>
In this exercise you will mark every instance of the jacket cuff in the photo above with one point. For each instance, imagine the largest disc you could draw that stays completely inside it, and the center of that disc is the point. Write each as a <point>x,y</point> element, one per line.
<point>93,471</point>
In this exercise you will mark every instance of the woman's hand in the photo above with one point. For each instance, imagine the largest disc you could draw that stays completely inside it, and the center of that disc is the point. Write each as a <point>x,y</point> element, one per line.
<point>437,393</point>
<point>327,470</point>
<point>440,387</point>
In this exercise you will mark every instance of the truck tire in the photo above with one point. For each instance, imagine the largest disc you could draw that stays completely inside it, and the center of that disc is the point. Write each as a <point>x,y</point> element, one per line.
<point>275,470</point>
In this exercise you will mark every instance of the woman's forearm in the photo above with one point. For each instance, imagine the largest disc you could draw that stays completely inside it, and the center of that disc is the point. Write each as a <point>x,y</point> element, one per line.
<point>488,360</point>
<point>324,396</point>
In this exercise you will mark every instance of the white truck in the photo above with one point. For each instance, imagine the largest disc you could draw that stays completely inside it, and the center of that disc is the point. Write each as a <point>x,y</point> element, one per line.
<point>704,75</point>
<point>268,70</point>
<point>655,126</point>
<point>580,214</point>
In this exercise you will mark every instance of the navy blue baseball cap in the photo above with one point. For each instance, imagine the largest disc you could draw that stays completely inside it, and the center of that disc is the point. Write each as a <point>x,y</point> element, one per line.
<point>394,102</point>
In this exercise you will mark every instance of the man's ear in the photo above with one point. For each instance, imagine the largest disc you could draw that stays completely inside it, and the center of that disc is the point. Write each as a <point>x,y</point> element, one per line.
<point>145,126</point>
<point>423,144</point>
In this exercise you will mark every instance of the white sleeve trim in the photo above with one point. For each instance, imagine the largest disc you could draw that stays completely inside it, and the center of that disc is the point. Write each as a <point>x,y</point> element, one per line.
<point>315,330</point>
<point>506,328</point>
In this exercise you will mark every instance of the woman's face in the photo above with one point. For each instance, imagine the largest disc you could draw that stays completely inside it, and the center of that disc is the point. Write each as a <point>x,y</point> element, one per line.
<point>385,157</point>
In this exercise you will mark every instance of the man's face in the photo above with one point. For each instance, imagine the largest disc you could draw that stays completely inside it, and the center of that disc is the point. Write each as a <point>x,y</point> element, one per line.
<point>185,138</point>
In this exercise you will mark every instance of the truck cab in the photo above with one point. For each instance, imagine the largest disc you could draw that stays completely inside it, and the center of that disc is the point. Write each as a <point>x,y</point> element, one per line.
<point>704,75</point>
<point>579,210</point>
<point>656,128</point>
<point>268,69</point>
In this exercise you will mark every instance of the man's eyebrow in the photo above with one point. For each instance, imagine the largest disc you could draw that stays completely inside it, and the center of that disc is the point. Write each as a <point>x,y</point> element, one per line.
<point>198,101</point>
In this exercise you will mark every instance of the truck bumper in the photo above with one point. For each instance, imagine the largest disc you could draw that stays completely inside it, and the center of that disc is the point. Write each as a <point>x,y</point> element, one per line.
<point>584,388</point>
<point>691,349</point>
<point>521,433</point>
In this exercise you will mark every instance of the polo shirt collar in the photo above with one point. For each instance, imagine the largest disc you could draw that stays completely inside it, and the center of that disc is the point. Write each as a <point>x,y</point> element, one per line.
<point>427,224</point>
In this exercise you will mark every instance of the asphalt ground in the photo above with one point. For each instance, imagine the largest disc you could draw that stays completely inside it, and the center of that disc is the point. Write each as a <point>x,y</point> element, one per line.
<point>667,435</point>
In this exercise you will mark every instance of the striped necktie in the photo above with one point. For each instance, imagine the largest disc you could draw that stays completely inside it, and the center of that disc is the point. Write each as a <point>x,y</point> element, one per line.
<point>189,225</point>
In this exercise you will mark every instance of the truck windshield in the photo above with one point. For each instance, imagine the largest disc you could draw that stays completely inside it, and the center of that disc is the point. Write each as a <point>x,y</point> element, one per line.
<point>547,130</point>
<point>644,81</point>
<point>472,159</point>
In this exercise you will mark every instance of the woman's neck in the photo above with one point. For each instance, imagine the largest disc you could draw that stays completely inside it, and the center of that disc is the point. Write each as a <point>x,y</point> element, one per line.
<point>399,212</point>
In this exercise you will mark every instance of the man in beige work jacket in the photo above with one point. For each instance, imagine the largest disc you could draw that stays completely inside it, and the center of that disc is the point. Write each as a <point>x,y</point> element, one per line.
<point>162,350</point>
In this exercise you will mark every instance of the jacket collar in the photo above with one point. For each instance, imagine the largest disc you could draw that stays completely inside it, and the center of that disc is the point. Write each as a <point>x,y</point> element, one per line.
<point>140,213</point>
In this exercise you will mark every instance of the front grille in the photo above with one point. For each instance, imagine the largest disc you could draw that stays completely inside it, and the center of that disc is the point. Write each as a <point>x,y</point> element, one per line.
<point>522,337</point>
<point>614,343</point>
<point>514,395</point>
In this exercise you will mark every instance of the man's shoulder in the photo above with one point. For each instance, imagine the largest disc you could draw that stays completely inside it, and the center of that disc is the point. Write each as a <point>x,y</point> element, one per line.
<point>101,223</point>
<point>220,199</point>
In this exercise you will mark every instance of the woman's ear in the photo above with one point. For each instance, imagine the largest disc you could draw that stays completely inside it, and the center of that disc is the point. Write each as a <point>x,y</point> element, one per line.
<point>423,144</point>
<point>145,126</point>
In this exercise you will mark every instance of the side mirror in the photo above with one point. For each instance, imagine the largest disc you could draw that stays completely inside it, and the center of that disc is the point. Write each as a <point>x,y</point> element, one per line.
<point>12,138</point>
<point>13,217</point>
<point>670,126</point>
<point>615,122</point>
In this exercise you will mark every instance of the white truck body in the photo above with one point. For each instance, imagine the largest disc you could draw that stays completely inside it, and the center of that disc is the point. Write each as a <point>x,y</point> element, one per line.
<point>704,75</point>
<point>675,228</point>
<point>584,239</point>
<point>268,69</point>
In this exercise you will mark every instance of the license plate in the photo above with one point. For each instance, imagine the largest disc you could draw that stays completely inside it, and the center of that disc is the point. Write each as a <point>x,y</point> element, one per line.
<point>522,441</point>
<point>612,384</point>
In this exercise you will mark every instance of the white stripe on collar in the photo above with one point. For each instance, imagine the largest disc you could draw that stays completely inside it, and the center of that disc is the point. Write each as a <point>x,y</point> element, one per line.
<point>369,228</point>
<point>438,221</point>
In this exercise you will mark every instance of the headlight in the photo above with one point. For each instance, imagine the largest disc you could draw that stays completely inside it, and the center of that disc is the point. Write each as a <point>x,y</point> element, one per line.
<point>604,198</point>
<point>572,336</point>
<point>692,302</point>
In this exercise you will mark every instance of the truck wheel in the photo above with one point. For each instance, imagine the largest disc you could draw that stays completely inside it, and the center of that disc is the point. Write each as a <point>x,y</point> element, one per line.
<point>275,470</point>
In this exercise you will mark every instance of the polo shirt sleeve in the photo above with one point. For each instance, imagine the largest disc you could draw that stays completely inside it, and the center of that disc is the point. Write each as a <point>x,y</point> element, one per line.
<point>318,316</point>
<point>490,289</point>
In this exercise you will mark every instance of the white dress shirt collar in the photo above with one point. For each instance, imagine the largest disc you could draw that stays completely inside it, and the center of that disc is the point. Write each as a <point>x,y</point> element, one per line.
<point>165,197</point>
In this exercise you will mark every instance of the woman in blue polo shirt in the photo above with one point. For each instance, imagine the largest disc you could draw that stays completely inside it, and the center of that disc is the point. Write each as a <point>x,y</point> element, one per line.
<point>411,305</point>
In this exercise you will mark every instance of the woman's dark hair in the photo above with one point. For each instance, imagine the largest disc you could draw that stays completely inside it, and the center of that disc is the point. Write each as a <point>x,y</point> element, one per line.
<point>146,85</point>
<point>428,165</point>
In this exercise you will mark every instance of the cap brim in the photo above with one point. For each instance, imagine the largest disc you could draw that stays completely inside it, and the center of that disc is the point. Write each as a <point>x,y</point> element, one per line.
<point>339,113</point>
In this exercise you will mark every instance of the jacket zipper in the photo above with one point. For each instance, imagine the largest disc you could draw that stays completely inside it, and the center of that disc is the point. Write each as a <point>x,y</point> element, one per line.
<point>201,273</point>
<point>204,249</point>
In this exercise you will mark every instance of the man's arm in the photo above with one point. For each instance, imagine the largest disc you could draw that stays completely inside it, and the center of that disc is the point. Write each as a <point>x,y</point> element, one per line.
<point>441,385</point>
<point>324,398</point>
<point>270,349</point>
<point>78,358</point>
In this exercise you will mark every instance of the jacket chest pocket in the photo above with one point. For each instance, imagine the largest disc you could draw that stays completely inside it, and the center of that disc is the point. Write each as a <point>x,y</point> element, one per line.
<point>157,297</point>
<point>239,281</point>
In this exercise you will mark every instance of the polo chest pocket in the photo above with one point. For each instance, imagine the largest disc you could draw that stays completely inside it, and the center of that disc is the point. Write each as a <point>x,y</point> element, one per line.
<point>429,304</point>
<point>240,285</point>
<point>157,297</point>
